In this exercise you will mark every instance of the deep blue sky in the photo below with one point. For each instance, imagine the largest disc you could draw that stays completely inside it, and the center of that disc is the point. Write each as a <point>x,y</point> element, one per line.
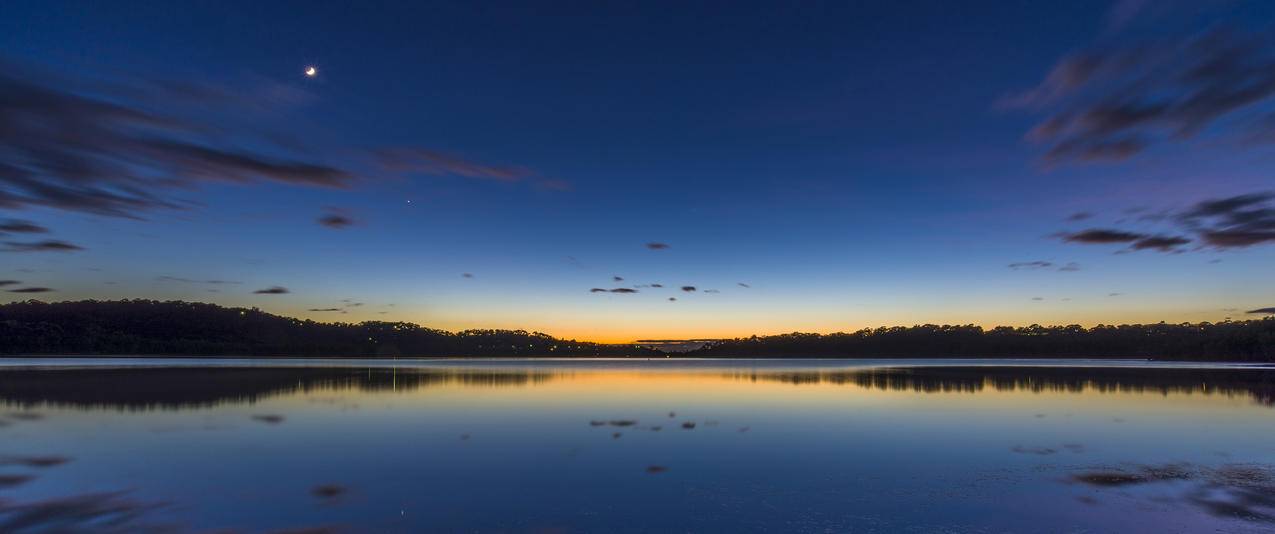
<point>855,164</point>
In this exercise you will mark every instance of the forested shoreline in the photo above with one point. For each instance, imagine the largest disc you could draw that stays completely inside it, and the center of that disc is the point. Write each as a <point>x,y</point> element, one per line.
<point>176,328</point>
<point>1236,341</point>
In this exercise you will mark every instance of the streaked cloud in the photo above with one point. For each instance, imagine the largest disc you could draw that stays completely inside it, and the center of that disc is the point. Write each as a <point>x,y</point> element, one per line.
<point>50,245</point>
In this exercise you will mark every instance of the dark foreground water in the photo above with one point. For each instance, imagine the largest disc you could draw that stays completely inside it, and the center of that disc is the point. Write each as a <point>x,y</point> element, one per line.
<point>583,446</point>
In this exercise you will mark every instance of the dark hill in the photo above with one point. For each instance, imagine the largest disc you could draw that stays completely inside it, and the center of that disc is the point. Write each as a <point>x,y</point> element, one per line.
<point>148,327</point>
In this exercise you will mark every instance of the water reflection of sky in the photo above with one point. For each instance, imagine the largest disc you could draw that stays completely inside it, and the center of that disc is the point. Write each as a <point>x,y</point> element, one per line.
<point>527,446</point>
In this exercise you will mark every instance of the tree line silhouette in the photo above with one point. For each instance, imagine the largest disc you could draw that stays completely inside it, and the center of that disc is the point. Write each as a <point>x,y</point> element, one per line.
<point>1246,341</point>
<point>149,327</point>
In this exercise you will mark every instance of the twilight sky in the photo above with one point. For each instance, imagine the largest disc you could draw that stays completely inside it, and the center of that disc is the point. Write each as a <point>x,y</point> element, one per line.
<point>796,167</point>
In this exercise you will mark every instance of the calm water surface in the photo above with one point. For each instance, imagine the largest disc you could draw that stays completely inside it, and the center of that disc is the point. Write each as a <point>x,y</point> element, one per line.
<point>136,445</point>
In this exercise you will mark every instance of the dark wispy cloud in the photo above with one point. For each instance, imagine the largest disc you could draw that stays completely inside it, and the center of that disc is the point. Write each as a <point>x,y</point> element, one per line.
<point>743,285</point>
<point>672,299</point>
<point>336,218</point>
<point>49,245</point>
<point>273,290</point>
<point>31,290</point>
<point>1262,311</point>
<point>438,163</point>
<point>657,246</point>
<point>466,275</point>
<point>657,285</point>
<point>615,290</point>
<point>1160,243</point>
<point>1234,222</point>
<point>193,281</point>
<point>1115,101</point>
<point>9,282</point>
<point>711,291</point>
<point>1123,11</point>
<point>324,309</point>
<point>1070,267</point>
<point>1031,265</point>
<point>1225,223</point>
<point>122,155</point>
<point>688,289</point>
<point>19,226</point>
<point>617,278</point>
<point>434,162</point>
<point>1101,236</point>
<point>1080,216</point>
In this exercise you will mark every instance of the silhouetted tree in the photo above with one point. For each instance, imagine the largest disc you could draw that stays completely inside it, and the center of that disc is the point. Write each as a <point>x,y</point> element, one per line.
<point>1252,341</point>
<point>148,327</point>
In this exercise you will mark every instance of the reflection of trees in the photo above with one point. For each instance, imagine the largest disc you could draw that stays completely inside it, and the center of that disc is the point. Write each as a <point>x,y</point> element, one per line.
<point>182,387</point>
<point>1259,384</point>
<point>191,387</point>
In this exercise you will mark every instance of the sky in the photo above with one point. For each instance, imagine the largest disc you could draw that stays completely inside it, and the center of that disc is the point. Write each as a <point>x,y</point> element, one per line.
<point>796,167</point>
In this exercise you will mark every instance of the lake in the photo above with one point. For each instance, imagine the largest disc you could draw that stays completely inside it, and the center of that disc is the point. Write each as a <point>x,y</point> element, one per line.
<point>143,445</point>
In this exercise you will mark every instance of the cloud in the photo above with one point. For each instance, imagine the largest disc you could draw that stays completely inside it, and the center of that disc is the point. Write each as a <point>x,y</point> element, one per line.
<point>273,290</point>
<point>99,149</point>
<point>1030,265</point>
<point>1070,267</point>
<point>324,309</point>
<point>688,289</point>
<point>9,283</point>
<point>1080,216</point>
<point>743,285</point>
<point>672,299</point>
<point>438,163</point>
<point>31,290</point>
<point>427,161</point>
<point>1102,236</point>
<point>49,245</point>
<point>657,285</point>
<point>1038,299</point>
<point>1114,102</point>
<point>1224,223</point>
<point>1160,243</point>
<point>1263,311</point>
<point>616,290</point>
<point>336,218</point>
<point>617,278</point>
<point>554,184</point>
<point>657,246</point>
<point>711,291</point>
<point>1233,222</point>
<point>190,281</point>
<point>19,226</point>
<point>1122,12</point>
<point>1114,294</point>
<point>466,275</point>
